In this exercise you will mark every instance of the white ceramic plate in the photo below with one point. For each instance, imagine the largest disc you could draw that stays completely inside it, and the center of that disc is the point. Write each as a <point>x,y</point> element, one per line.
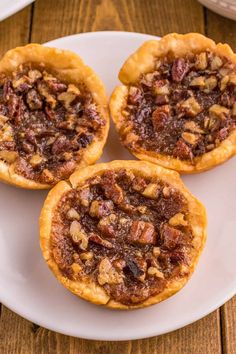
<point>10,7</point>
<point>29,288</point>
<point>226,8</point>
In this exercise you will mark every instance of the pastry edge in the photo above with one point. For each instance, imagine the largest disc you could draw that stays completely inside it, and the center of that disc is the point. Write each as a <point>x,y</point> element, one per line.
<point>66,64</point>
<point>90,290</point>
<point>143,61</point>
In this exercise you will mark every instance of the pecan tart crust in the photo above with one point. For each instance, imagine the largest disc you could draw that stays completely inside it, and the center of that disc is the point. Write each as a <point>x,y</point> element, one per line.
<point>53,116</point>
<point>177,106</point>
<point>124,234</point>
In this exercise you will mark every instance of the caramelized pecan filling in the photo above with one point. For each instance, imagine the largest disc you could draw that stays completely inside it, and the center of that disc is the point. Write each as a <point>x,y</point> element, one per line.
<point>185,108</point>
<point>45,124</point>
<point>128,233</point>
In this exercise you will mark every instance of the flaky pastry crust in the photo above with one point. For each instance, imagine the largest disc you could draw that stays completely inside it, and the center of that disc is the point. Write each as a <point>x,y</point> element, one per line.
<point>68,67</point>
<point>91,290</point>
<point>142,62</point>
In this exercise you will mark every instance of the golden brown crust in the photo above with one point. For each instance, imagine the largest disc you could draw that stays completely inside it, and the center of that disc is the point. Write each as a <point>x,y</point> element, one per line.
<point>143,61</point>
<point>68,66</point>
<point>91,291</point>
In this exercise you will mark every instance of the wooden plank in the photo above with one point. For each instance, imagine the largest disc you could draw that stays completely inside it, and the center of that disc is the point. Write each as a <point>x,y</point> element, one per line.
<point>21,336</point>
<point>14,31</point>
<point>228,322</point>
<point>56,18</point>
<point>53,18</point>
<point>221,29</point>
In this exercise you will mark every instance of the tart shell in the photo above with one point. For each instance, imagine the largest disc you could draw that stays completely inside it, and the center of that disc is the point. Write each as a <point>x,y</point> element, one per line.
<point>142,62</point>
<point>91,290</point>
<point>67,66</point>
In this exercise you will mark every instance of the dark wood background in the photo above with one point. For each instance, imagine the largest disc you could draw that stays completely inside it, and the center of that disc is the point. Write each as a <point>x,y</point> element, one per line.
<point>49,19</point>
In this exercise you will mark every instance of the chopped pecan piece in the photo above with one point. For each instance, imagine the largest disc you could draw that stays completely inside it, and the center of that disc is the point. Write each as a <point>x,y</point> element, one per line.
<point>34,100</point>
<point>36,160</point>
<point>84,196</point>
<point>201,61</point>
<point>224,82</point>
<point>22,84</point>
<point>72,214</point>
<point>142,232</point>
<point>151,191</point>
<point>191,107</point>
<point>190,138</point>
<point>170,236</point>
<point>3,119</point>
<point>227,99</point>
<point>34,75</point>
<point>119,264</point>
<point>179,69</point>
<point>218,111</point>
<point>76,268</point>
<point>106,225</point>
<point>216,63</point>
<point>78,235</point>
<point>161,99</point>
<point>65,169</point>
<point>67,98</point>
<point>100,208</point>
<point>156,251</point>
<point>182,150</point>
<point>135,95</point>
<point>7,145</point>
<point>193,127</point>
<point>100,241</point>
<point>222,134</point>
<point>160,117</point>
<point>142,209</point>
<point>112,190</point>
<point>211,123</point>
<point>167,191</point>
<point>60,145</point>
<point>73,89</point>
<point>177,257</point>
<point>47,176</point>
<point>178,219</point>
<point>108,274</point>
<point>210,84</point>
<point>199,81</point>
<point>153,271</point>
<point>86,256</point>
<point>161,87</point>
<point>148,79</point>
<point>44,91</point>
<point>139,184</point>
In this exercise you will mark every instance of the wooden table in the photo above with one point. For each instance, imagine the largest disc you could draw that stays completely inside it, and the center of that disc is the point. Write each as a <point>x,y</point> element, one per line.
<point>49,19</point>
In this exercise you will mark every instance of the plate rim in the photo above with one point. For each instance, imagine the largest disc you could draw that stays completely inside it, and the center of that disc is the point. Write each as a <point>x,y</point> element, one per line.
<point>14,8</point>
<point>178,324</point>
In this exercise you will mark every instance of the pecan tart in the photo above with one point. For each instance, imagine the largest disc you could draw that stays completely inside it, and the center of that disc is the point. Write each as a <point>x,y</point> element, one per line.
<point>124,234</point>
<point>53,116</point>
<point>177,106</point>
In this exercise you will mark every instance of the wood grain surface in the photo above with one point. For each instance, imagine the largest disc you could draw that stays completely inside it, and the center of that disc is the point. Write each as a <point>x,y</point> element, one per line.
<point>47,20</point>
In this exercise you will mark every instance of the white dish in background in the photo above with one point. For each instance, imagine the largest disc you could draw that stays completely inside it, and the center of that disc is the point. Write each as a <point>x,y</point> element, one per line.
<point>29,288</point>
<point>226,8</point>
<point>10,7</point>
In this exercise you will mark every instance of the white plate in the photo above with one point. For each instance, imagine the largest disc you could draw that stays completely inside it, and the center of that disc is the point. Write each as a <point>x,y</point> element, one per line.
<point>226,8</point>
<point>29,288</point>
<point>10,7</point>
